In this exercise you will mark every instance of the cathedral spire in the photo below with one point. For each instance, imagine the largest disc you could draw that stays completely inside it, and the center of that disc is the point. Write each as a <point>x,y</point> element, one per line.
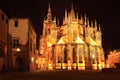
<point>77,16</point>
<point>65,15</point>
<point>49,9</point>
<point>85,20</point>
<point>72,12</point>
<point>55,20</point>
<point>88,24</point>
<point>58,22</point>
<point>99,28</point>
<point>95,22</point>
<point>91,23</point>
<point>93,30</point>
<point>81,19</point>
<point>49,15</point>
<point>95,25</point>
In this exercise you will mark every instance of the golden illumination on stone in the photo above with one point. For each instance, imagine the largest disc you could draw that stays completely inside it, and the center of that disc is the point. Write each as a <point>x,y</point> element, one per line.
<point>76,44</point>
<point>92,42</point>
<point>113,59</point>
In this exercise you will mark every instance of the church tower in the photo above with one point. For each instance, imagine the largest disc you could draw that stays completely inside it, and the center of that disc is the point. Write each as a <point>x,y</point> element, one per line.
<point>49,23</point>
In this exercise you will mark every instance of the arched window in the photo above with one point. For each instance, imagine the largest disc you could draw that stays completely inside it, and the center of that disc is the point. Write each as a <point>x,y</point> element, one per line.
<point>80,55</point>
<point>59,59</point>
<point>74,55</point>
<point>65,55</point>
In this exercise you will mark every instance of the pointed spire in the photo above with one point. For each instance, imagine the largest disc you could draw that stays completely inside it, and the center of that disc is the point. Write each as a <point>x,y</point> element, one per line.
<point>85,19</point>
<point>58,22</point>
<point>92,29</point>
<point>81,19</point>
<point>55,20</point>
<point>49,15</point>
<point>69,18</point>
<point>91,23</point>
<point>72,14</point>
<point>77,16</point>
<point>99,28</point>
<point>66,15</point>
<point>95,25</point>
<point>88,24</point>
<point>49,9</point>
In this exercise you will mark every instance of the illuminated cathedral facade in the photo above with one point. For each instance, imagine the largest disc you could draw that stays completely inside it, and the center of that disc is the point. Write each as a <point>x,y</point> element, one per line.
<point>76,44</point>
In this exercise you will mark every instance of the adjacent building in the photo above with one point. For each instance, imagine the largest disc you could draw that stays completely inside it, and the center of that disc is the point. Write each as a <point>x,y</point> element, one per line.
<point>23,44</point>
<point>3,40</point>
<point>113,58</point>
<point>76,44</point>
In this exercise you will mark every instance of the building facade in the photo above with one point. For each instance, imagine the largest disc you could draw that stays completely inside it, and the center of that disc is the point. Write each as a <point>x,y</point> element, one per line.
<point>3,40</point>
<point>23,44</point>
<point>76,44</point>
<point>113,58</point>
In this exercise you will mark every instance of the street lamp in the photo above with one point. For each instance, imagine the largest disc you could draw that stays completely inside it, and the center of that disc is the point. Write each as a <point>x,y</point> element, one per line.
<point>18,49</point>
<point>32,59</point>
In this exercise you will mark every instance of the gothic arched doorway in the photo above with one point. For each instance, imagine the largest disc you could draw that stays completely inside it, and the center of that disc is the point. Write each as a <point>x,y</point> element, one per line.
<point>19,64</point>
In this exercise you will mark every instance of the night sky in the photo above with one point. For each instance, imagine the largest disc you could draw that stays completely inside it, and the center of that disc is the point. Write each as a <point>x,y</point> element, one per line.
<point>106,12</point>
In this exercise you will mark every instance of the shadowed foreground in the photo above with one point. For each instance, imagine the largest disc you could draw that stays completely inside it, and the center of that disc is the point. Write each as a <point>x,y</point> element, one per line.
<point>60,75</point>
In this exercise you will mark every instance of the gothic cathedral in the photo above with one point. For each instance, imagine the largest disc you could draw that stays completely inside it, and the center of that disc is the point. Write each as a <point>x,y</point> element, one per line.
<point>76,44</point>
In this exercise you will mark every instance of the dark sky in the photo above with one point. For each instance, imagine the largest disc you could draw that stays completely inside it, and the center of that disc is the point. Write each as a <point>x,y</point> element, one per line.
<point>106,12</point>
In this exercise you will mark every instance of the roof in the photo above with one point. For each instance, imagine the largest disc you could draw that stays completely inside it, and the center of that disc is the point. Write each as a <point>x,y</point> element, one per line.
<point>92,42</point>
<point>79,40</point>
<point>64,41</point>
<point>61,41</point>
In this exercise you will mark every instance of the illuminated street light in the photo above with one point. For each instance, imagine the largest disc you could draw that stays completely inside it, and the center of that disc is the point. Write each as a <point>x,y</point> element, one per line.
<point>18,49</point>
<point>32,59</point>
